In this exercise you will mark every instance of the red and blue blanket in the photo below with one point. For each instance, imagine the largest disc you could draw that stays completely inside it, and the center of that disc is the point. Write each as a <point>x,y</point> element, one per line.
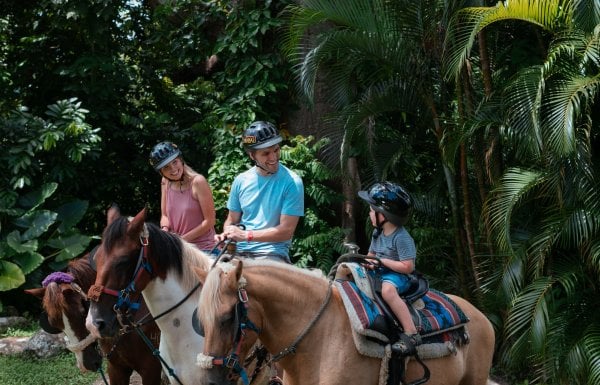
<point>437,312</point>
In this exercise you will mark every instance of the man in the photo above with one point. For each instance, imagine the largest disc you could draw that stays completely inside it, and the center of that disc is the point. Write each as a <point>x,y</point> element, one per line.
<point>268,199</point>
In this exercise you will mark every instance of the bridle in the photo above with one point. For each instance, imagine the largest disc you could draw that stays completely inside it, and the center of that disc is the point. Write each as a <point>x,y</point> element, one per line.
<point>124,302</point>
<point>242,323</point>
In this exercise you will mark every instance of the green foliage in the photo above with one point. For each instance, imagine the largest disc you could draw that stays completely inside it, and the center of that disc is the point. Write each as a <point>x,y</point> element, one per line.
<point>35,224</point>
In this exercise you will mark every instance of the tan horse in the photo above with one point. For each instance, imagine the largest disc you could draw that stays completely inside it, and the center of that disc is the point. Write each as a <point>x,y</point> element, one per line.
<point>288,309</point>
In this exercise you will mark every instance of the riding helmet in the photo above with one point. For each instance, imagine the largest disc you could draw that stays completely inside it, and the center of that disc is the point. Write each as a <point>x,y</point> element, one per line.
<point>260,135</point>
<point>162,154</point>
<point>390,199</point>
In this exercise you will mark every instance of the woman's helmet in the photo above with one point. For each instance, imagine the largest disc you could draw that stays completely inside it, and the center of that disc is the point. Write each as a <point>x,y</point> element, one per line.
<point>260,135</point>
<point>390,199</point>
<point>162,154</point>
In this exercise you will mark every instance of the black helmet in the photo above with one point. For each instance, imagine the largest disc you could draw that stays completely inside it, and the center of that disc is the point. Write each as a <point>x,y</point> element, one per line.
<point>162,154</point>
<point>260,135</point>
<point>390,199</point>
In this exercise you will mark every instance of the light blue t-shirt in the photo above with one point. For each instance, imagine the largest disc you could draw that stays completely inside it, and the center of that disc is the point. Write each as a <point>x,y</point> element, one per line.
<point>262,199</point>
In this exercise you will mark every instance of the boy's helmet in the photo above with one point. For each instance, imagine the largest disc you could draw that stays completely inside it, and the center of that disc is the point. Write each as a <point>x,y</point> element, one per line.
<point>260,135</point>
<point>162,154</point>
<point>390,199</point>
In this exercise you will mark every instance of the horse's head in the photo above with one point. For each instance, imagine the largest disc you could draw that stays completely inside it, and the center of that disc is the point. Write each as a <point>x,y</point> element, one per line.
<point>122,272</point>
<point>65,308</point>
<point>230,326</point>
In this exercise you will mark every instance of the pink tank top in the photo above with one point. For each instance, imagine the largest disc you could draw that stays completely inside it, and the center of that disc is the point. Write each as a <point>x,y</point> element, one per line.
<point>184,214</point>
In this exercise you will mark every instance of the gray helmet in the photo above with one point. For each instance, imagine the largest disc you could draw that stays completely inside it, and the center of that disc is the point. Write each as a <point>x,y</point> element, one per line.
<point>390,199</point>
<point>162,154</point>
<point>260,135</point>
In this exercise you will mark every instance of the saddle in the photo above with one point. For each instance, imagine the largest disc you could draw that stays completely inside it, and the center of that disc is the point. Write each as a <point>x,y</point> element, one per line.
<point>440,322</point>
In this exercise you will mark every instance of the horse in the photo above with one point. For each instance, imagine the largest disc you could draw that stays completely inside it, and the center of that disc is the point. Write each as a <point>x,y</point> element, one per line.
<point>65,307</point>
<point>137,257</point>
<point>299,317</point>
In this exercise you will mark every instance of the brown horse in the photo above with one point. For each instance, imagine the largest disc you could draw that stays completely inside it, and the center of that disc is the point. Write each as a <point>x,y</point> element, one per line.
<point>138,258</point>
<point>65,307</point>
<point>300,318</point>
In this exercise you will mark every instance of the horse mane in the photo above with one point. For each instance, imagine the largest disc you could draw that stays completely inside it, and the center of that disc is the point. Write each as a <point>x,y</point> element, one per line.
<point>211,290</point>
<point>82,272</point>
<point>168,250</point>
<point>54,302</point>
<point>193,257</point>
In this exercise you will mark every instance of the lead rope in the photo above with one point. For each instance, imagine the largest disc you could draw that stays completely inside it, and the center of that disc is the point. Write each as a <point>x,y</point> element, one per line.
<point>292,347</point>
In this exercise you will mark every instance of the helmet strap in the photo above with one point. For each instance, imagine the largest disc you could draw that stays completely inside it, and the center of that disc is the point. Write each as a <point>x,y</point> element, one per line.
<point>378,226</point>
<point>260,166</point>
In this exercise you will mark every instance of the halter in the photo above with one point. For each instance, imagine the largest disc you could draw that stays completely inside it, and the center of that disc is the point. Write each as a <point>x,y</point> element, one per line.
<point>123,296</point>
<point>231,361</point>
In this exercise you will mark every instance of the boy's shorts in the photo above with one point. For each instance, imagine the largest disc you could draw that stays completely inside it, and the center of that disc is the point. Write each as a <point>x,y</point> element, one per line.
<point>399,280</point>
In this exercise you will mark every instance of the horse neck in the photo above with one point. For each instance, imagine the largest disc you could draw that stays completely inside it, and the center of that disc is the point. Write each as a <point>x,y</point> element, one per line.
<point>162,295</point>
<point>287,300</point>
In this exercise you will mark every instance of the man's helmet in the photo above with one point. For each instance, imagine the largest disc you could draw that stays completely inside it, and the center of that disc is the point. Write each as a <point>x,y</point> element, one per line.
<point>260,135</point>
<point>162,154</point>
<point>390,199</point>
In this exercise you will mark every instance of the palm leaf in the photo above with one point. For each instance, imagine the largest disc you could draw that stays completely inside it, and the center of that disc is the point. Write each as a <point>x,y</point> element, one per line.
<point>468,22</point>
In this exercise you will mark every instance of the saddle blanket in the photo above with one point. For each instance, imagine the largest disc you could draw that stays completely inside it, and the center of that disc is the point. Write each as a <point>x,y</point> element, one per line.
<point>437,312</point>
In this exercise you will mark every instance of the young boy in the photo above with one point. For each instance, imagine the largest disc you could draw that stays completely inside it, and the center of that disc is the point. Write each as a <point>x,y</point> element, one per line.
<point>392,244</point>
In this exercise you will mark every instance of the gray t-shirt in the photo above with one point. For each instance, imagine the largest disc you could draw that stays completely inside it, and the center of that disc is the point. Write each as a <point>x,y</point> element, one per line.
<point>398,246</point>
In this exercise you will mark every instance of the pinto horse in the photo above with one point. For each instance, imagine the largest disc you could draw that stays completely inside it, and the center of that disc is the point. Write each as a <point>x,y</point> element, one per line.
<point>300,318</point>
<point>137,257</point>
<point>65,307</point>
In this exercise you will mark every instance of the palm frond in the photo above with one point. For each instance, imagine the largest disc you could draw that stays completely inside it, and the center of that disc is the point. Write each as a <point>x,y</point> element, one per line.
<point>468,22</point>
<point>514,186</point>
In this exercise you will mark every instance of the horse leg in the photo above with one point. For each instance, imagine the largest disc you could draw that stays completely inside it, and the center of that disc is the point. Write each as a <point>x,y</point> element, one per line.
<point>119,375</point>
<point>151,374</point>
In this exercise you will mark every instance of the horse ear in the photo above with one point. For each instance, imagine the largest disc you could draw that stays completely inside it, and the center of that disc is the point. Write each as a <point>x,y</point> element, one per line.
<point>136,224</point>
<point>201,273</point>
<point>37,292</point>
<point>112,213</point>
<point>238,270</point>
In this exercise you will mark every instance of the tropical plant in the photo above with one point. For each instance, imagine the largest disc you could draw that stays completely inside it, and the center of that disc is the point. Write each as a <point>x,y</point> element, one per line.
<point>544,212</point>
<point>35,224</point>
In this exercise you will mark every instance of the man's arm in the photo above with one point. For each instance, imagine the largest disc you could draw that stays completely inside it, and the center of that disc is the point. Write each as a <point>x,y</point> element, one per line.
<point>282,232</point>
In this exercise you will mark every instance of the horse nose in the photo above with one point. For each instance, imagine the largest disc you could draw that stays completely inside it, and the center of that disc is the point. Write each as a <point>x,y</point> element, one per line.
<point>99,324</point>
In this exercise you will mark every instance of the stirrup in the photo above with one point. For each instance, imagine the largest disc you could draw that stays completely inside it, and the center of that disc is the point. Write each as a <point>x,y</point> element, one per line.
<point>407,344</point>
<point>275,381</point>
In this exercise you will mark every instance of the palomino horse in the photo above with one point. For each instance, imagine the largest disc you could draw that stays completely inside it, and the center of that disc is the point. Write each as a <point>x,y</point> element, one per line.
<point>300,318</point>
<point>138,257</point>
<point>65,304</point>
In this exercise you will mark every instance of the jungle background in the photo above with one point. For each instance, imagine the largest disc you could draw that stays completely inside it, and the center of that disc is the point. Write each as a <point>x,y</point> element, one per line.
<point>487,112</point>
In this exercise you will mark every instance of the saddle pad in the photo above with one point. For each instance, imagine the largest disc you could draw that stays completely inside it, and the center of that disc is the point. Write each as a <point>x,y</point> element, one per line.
<point>364,313</point>
<point>438,312</point>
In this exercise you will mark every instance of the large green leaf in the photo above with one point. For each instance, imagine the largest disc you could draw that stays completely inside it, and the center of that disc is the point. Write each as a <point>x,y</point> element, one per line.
<point>37,197</point>
<point>15,242</point>
<point>70,246</point>
<point>11,276</point>
<point>70,214</point>
<point>36,223</point>
<point>29,261</point>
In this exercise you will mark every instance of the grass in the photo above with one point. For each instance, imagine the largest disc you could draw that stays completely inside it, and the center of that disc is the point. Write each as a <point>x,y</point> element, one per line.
<point>26,369</point>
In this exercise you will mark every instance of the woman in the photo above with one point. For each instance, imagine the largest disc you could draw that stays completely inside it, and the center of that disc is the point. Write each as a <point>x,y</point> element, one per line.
<point>186,202</point>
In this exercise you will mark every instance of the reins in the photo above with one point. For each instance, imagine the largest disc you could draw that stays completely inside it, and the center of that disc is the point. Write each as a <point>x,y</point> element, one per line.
<point>124,302</point>
<point>231,361</point>
<point>293,346</point>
